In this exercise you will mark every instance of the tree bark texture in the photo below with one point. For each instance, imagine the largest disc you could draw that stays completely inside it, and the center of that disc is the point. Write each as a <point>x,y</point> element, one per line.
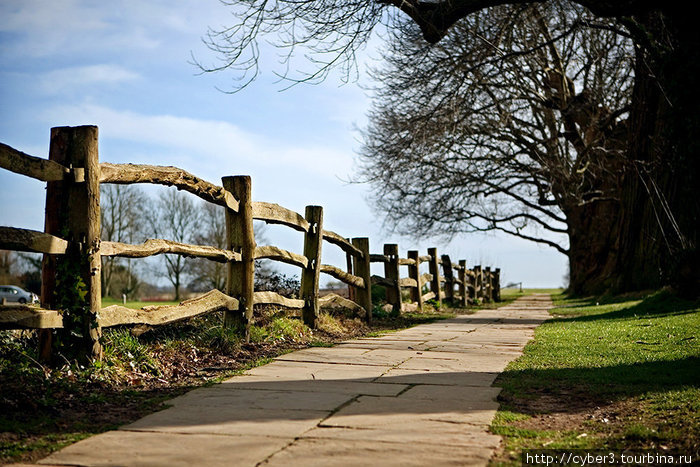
<point>659,204</point>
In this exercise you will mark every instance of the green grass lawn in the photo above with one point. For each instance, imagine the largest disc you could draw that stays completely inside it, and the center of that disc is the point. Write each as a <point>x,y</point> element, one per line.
<point>620,372</point>
<point>514,291</point>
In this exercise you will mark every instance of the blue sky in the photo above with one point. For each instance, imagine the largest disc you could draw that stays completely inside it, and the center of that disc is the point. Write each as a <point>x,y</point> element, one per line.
<point>124,66</point>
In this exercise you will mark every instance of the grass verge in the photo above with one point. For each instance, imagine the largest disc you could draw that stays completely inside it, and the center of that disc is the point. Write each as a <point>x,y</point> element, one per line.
<point>607,373</point>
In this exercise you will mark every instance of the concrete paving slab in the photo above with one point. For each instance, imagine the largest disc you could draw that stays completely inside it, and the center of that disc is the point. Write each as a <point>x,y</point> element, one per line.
<point>423,391</point>
<point>373,412</point>
<point>232,397</point>
<point>438,433</point>
<point>342,386</point>
<point>513,349</point>
<point>349,355</point>
<point>331,453</point>
<point>386,344</point>
<point>229,420</point>
<point>299,371</point>
<point>433,334</point>
<point>449,378</point>
<point>489,363</point>
<point>133,449</point>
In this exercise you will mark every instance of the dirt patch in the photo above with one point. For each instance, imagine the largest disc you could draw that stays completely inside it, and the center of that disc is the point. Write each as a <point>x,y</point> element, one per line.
<point>577,414</point>
<point>573,412</point>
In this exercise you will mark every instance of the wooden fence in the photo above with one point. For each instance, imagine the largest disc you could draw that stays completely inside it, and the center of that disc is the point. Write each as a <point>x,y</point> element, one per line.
<point>71,268</point>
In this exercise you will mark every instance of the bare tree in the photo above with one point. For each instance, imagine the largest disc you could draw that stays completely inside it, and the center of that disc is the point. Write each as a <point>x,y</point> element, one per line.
<point>331,32</point>
<point>8,265</point>
<point>659,208</point>
<point>175,217</point>
<point>122,219</point>
<point>206,274</point>
<point>210,274</point>
<point>519,135</point>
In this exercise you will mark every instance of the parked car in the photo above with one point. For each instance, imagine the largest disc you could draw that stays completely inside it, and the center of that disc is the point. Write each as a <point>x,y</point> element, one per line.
<point>12,293</point>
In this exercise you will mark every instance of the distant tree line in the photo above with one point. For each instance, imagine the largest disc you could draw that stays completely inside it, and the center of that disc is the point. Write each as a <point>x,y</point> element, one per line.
<point>129,215</point>
<point>21,269</point>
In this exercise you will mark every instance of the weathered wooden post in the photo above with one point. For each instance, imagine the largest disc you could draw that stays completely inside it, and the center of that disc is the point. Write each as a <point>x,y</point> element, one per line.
<point>414,273</point>
<point>478,283</point>
<point>240,238</point>
<point>391,272</point>
<point>449,278</point>
<point>463,282</point>
<point>348,258</point>
<point>471,289</point>
<point>434,270</point>
<point>497,285</point>
<point>313,240</point>
<point>488,289</point>
<point>72,282</point>
<point>361,267</point>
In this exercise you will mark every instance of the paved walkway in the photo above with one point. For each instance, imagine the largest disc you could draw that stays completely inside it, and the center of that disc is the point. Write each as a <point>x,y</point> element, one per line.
<point>421,396</point>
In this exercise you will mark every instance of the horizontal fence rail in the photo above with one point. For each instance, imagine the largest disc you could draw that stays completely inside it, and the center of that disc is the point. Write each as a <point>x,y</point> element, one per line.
<point>169,176</point>
<point>275,214</point>
<point>30,166</point>
<point>153,247</point>
<point>73,175</point>
<point>214,300</point>
<point>32,241</point>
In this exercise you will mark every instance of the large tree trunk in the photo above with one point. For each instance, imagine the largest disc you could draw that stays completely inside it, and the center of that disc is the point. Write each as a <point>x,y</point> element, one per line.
<point>659,204</point>
<point>593,246</point>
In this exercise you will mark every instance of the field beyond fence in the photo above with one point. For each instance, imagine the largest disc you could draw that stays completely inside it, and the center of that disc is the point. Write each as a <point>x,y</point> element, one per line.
<point>72,249</point>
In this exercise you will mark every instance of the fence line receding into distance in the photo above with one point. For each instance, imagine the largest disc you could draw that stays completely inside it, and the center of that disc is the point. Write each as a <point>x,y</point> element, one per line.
<point>72,250</point>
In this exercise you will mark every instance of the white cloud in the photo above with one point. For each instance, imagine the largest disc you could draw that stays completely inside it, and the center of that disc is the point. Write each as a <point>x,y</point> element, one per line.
<point>205,144</point>
<point>45,28</point>
<point>73,78</point>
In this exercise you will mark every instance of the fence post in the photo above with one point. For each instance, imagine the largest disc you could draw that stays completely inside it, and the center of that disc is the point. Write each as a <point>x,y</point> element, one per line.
<point>449,278</point>
<point>488,288</point>
<point>478,283</point>
<point>311,273</point>
<point>434,270</point>
<point>391,272</point>
<point>414,273</point>
<point>463,282</point>
<point>73,213</point>
<point>361,268</point>
<point>497,285</point>
<point>240,276</point>
<point>348,259</point>
<point>471,284</point>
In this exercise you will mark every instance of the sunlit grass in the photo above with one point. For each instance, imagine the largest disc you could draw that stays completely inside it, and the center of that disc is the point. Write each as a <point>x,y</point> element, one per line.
<point>637,350</point>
